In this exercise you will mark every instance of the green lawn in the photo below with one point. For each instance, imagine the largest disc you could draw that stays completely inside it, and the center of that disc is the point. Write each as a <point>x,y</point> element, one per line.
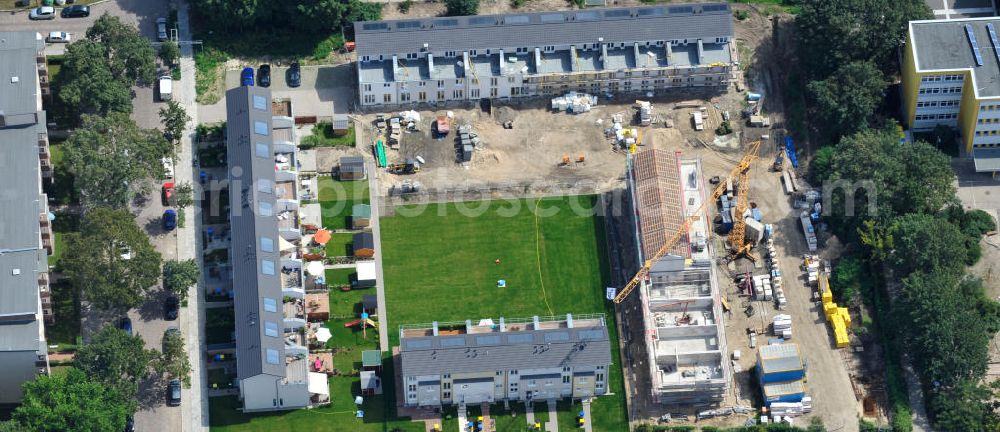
<point>553,265</point>
<point>66,307</point>
<point>323,136</point>
<point>340,276</point>
<point>340,245</point>
<point>336,199</point>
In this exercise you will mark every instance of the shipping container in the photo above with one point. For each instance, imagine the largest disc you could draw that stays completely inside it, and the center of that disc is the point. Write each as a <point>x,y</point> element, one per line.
<point>785,391</point>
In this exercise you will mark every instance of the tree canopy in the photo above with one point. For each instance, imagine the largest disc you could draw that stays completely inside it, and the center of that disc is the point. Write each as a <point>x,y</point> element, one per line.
<point>117,360</point>
<point>917,180</point>
<point>71,402</point>
<point>461,7</point>
<point>179,275</point>
<point>173,361</point>
<point>928,243</point>
<point>111,260</point>
<point>87,84</point>
<point>833,33</point>
<point>303,16</point>
<point>174,119</point>
<point>129,55</point>
<point>846,100</point>
<point>110,156</point>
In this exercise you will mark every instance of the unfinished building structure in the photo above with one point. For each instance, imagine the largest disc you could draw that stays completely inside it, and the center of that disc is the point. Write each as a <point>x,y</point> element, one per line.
<point>681,305</point>
<point>621,50</point>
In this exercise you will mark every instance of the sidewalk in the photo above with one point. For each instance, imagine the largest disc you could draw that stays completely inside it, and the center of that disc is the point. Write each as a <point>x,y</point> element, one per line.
<point>195,402</point>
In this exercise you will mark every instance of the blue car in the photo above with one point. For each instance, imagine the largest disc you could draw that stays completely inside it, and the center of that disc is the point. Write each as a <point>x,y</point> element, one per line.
<point>169,220</point>
<point>246,77</point>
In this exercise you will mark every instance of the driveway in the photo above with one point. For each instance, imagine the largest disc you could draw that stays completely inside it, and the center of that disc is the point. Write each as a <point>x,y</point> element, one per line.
<point>325,90</point>
<point>142,13</point>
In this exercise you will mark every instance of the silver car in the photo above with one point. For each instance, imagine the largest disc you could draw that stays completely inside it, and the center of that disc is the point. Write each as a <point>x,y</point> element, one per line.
<point>161,29</point>
<point>58,37</point>
<point>42,13</point>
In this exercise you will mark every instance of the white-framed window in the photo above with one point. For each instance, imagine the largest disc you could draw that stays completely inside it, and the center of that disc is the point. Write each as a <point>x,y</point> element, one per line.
<point>260,128</point>
<point>264,185</point>
<point>270,305</point>
<point>267,267</point>
<point>272,356</point>
<point>266,244</point>
<point>263,151</point>
<point>271,328</point>
<point>265,208</point>
<point>260,103</point>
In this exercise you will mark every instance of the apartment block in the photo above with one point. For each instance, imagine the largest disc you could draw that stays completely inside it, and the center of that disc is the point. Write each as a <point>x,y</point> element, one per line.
<point>680,300</point>
<point>26,238</point>
<point>600,51</point>
<point>950,70</point>
<point>467,363</point>
<point>269,298</point>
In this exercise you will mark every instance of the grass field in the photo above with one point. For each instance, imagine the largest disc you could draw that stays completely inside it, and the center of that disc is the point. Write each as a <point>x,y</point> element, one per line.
<point>553,265</point>
<point>337,198</point>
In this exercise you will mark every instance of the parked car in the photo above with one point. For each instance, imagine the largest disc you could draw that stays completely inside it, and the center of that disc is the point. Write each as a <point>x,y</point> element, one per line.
<point>168,167</point>
<point>166,88</point>
<point>172,307</point>
<point>294,75</point>
<point>246,77</point>
<point>76,11</point>
<point>42,13</point>
<point>168,193</point>
<point>126,325</point>
<point>58,37</point>
<point>161,29</point>
<point>169,220</point>
<point>264,75</point>
<point>174,393</point>
<point>130,424</point>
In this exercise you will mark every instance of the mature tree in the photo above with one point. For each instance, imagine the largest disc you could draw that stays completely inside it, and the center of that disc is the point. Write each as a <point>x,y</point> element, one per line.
<point>969,406</point>
<point>170,52</point>
<point>973,224</point>
<point>183,195</point>
<point>71,402</point>
<point>461,7</point>
<point>283,18</point>
<point>115,359</point>
<point>173,361</point>
<point>129,55</point>
<point>950,336</point>
<point>927,243</point>
<point>111,260</point>
<point>846,100</point>
<point>110,156</point>
<point>836,32</point>
<point>86,83</point>
<point>178,276</point>
<point>872,165</point>
<point>174,119</point>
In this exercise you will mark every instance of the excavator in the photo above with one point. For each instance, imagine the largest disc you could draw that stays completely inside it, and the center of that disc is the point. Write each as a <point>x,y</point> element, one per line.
<point>738,244</point>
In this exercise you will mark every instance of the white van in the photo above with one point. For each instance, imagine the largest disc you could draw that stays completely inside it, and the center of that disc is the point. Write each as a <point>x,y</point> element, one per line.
<point>166,88</point>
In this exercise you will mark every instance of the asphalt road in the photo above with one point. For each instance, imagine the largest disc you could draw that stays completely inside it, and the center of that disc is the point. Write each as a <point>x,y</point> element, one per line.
<point>142,13</point>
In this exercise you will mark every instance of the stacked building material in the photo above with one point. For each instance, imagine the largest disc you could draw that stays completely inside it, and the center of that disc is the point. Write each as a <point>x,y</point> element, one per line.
<point>762,289</point>
<point>574,102</point>
<point>791,409</point>
<point>838,317</point>
<point>782,325</point>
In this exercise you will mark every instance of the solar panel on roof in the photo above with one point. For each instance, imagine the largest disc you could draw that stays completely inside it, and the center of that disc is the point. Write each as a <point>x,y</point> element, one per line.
<point>975,46</point>
<point>452,342</point>
<point>417,344</point>
<point>375,26</point>
<point>993,39</point>
<point>587,16</point>
<point>517,19</point>
<point>681,9</point>
<point>617,13</point>
<point>408,24</point>
<point>651,12</point>
<point>487,340</point>
<point>556,336</point>
<point>524,338</point>
<point>714,8</point>
<point>451,22</point>
<point>590,334</point>
<point>553,17</point>
<point>485,20</point>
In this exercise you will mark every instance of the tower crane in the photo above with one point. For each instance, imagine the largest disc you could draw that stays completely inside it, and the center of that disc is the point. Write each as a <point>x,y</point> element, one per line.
<point>741,168</point>
<point>737,236</point>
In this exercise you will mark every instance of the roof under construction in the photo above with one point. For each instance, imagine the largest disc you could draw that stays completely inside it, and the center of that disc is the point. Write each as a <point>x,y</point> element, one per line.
<point>658,205</point>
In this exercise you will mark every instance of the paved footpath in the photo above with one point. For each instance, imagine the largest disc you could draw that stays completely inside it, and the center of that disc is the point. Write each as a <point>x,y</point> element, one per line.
<point>373,192</point>
<point>194,400</point>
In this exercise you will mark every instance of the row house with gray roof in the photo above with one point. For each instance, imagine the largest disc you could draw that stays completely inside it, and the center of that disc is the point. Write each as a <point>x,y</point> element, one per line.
<point>265,254</point>
<point>600,51</point>
<point>470,363</point>
<point>26,238</point>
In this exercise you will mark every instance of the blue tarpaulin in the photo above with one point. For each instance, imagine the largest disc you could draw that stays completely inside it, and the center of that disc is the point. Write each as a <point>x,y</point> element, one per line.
<point>790,151</point>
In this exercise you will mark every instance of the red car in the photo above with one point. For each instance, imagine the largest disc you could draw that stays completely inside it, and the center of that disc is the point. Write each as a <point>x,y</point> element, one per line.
<point>168,193</point>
